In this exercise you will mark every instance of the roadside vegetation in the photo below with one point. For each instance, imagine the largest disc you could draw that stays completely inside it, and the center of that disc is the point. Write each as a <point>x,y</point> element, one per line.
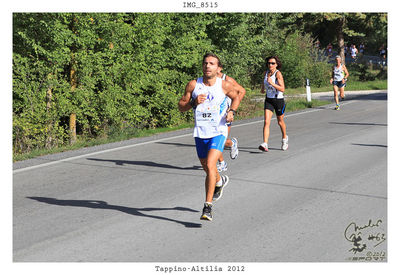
<point>82,79</point>
<point>252,106</point>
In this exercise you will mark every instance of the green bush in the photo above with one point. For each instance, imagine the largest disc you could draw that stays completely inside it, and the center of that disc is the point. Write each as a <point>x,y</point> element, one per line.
<point>119,72</point>
<point>319,74</point>
<point>382,75</point>
<point>300,61</point>
<point>364,73</point>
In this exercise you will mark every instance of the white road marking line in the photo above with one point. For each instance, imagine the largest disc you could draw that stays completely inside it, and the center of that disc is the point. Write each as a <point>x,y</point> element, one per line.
<point>147,142</point>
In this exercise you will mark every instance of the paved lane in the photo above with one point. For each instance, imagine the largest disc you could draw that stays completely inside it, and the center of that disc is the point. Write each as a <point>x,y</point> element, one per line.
<point>143,203</point>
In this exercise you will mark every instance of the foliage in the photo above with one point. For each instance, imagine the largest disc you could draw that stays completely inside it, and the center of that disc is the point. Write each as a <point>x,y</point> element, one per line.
<point>298,64</point>
<point>363,72</point>
<point>122,72</point>
<point>369,28</point>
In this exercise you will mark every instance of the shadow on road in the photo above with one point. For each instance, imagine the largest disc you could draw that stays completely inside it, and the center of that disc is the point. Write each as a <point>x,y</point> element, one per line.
<point>359,123</point>
<point>177,144</point>
<point>146,163</point>
<point>128,210</point>
<point>255,150</point>
<point>308,188</point>
<point>374,96</point>
<point>372,145</point>
<point>349,96</point>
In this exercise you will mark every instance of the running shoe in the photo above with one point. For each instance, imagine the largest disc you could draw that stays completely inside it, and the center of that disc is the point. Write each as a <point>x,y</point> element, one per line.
<point>337,107</point>
<point>207,215</point>
<point>285,143</point>
<point>263,147</point>
<point>234,148</point>
<point>218,189</point>
<point>222,166</point>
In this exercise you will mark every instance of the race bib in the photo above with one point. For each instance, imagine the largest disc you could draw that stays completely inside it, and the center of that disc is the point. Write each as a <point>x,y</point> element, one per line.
<point>207,115</point>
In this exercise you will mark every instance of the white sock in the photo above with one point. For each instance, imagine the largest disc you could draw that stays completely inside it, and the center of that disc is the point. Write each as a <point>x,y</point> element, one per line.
<point>219,183</point>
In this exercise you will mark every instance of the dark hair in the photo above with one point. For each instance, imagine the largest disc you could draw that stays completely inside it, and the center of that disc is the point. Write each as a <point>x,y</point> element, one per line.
<point>278,62</point>
<point>213,55</point>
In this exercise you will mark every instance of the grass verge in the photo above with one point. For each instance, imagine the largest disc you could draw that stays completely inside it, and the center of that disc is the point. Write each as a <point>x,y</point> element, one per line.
<point>350,86</point>
<point>115,137</point>
<point>252,106</point>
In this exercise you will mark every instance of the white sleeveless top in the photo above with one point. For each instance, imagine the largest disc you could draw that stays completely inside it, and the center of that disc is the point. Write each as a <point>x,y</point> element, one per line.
<point>271,91</point>
<point>338,74</point>
<point>210,116</point>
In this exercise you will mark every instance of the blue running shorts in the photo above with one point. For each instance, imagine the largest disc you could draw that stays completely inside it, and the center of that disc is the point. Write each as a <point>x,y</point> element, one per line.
<point>203,145</point>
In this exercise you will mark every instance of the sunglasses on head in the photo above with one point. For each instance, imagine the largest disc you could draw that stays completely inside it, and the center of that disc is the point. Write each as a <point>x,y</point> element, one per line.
<point>271,63</point>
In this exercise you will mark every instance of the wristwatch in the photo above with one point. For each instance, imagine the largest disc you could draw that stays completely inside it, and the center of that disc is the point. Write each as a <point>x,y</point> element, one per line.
<point>231,110</point>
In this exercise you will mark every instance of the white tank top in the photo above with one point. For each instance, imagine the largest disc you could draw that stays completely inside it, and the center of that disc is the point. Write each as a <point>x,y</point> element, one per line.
<point>210,116</point>
<point>271,91</point>
<point>338,73</point>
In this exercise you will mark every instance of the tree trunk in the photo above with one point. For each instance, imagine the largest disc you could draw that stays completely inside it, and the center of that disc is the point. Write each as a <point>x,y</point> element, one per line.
<point>72,128</point>
<point>73,83</point>
<point>72,117</point>
<point>49,138</point>
<point>340,39</point>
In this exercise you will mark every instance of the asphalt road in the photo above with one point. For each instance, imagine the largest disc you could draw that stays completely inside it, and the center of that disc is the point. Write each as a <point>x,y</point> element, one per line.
<point>325,199</point>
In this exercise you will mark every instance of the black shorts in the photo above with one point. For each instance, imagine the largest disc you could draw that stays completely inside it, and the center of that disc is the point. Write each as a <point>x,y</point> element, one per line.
<point>339,84</point>
<point>277,104</point>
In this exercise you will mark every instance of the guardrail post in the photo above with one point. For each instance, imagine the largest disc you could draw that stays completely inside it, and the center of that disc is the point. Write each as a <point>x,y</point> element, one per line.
<point>308,90</point>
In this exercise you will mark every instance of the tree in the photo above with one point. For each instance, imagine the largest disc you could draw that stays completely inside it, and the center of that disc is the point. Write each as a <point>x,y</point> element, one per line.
<point>58,62</point>
<point>88,75</point>
<point>366,27</point>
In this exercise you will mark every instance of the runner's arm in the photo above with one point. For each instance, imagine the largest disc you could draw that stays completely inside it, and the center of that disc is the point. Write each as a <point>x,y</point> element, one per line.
<point>281,84</point>
<point>184,103</point>
<point>346,73</point>
<point>232,92</point>
<point>242,91</point>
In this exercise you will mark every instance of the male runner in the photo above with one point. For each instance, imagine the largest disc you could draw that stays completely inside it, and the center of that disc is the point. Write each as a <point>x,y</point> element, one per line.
<point>207,97</point>
<point>233,142</point>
